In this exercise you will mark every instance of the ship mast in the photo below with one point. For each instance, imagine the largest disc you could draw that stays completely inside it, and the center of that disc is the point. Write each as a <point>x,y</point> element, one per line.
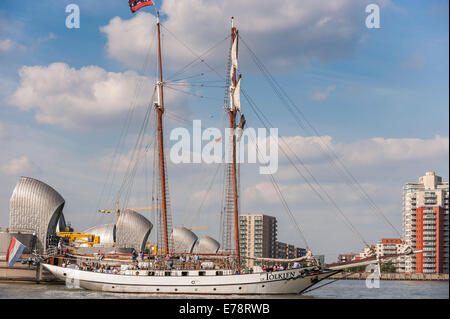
<point>232,111</point>
<point>162,164</point>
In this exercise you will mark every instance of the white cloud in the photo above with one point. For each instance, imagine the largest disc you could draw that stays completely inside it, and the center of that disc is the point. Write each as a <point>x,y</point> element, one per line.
<point>20,166</point>
<point>323,95</point>
<point>8,46</point>
<point>87,97</point>
<point>374,151</point>
<point>282,34</point>
<point>381,166</point>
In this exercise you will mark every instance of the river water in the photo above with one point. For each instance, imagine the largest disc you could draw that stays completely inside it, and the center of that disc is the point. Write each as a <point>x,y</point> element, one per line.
<point>341,289</point>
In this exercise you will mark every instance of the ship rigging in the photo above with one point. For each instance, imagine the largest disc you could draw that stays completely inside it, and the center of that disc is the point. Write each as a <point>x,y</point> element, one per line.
<point>154,277</point>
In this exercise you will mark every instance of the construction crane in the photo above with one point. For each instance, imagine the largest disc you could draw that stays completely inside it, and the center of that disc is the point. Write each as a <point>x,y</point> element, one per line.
<point>73,237</point>
<point>194,228</point>
<point>117,210</point>
<point>153,249</point>
<point>132,208</point>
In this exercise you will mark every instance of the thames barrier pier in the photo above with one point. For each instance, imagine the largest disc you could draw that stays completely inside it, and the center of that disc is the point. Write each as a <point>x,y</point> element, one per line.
<point>37,221</point>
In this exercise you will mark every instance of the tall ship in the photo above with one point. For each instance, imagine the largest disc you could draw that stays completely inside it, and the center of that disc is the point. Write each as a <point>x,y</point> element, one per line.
<point>172,270</point>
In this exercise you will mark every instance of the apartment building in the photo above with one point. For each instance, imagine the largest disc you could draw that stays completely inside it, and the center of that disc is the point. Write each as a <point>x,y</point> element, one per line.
<point>258,235</point>
<point>284,251</point>
<point>388,246</point>
<point>258,238</point>
<point>288,251</point>
<point>299,252</point>
<point>343,258</point>
<point>426,224</point>
<point>392,246</point>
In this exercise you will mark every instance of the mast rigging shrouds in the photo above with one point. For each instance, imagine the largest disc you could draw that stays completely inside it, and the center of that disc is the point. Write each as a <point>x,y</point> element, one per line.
<point>234,107</point>
<point>162,167</point>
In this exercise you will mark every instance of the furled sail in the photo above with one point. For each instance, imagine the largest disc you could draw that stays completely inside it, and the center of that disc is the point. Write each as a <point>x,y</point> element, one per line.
<point>235,88</point>
<point>237,96</point>
<point>234,56</point>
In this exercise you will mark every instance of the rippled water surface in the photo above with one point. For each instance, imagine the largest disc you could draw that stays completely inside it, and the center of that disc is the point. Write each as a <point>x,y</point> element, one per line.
<point>346,289</point>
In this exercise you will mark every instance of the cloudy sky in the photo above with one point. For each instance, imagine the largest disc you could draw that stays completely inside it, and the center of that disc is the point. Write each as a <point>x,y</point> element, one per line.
<point>72,102</point>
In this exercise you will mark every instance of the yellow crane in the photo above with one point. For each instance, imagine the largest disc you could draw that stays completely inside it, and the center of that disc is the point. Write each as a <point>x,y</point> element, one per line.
<point>88,239</point>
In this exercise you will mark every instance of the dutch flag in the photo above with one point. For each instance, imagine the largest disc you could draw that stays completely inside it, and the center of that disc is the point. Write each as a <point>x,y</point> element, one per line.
<point>14,251</point>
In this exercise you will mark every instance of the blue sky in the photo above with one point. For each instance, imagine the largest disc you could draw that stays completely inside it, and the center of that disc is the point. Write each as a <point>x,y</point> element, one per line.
<point>353,84</point>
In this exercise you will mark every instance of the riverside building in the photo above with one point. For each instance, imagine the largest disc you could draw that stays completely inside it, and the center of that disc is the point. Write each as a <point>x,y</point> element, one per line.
<point>426,224</point>
<point>288,251</point>
<point>258,235</point>
<point>258,238</point>
<point>343,258</point>
<point>392,246</point>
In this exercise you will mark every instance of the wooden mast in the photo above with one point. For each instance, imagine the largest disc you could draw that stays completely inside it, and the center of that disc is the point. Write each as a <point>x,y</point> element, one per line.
<point>160,112</point>
<point>232,116</point>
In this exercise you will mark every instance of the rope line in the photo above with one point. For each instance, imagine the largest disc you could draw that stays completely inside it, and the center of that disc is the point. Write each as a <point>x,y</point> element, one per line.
<point>331,154</point>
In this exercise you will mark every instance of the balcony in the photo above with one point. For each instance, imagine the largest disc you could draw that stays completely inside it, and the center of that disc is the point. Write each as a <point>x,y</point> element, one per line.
<point>429,243</point>
<point>429,222</point>
<point>429,271</point>
<point>430,238</point>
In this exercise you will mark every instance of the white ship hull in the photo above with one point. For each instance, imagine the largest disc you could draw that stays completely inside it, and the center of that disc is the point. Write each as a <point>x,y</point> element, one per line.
<point>280,282</point>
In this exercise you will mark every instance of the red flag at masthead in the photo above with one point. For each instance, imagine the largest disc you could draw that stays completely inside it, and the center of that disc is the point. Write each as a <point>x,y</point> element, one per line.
<point>135,5</point>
